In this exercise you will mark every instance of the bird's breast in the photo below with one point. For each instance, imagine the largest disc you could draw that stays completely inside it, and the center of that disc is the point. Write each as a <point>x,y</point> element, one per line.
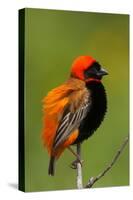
<point>96,111</point>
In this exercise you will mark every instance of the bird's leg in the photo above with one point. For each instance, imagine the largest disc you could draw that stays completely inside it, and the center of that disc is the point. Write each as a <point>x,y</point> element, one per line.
<point>71,150</point>
<point>78,160</point>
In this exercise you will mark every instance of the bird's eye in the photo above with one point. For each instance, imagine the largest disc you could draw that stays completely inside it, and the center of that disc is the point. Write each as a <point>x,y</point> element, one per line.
<point>92,70</point>
<point>97,66</point>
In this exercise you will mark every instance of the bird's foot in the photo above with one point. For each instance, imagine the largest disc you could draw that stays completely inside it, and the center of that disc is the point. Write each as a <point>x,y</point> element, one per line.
<point>75,162</point>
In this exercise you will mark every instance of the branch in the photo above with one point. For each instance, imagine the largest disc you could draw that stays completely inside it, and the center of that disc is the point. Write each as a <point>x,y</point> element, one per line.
<point>79,168</point>
<point>93,180</point>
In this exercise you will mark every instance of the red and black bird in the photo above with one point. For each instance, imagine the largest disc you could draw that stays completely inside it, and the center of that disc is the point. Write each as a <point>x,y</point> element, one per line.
<point>75,109</point>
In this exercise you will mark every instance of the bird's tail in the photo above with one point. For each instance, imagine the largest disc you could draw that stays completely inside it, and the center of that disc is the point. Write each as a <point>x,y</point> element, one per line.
<point>51,168</point>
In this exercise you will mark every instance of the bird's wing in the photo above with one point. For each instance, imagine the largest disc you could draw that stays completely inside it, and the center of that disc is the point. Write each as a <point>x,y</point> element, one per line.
<point>69,122</point>
<point>64,108</point>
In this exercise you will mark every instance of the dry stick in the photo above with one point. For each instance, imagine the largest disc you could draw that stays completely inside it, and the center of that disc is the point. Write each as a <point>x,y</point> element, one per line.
<point>79,168</point>
<point>93,180</point>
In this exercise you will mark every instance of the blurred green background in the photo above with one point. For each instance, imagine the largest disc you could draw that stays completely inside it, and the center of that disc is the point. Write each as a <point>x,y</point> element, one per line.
<point>53,39</point>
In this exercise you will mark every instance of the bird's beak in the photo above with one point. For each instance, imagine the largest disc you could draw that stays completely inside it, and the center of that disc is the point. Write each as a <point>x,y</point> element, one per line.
<point>102,72</point>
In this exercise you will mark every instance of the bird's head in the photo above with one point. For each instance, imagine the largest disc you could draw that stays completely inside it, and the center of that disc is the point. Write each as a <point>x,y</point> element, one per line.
<point>87,69</point>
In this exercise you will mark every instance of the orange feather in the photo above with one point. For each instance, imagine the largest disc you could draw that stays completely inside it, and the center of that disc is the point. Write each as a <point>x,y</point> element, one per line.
<point>54,105</point>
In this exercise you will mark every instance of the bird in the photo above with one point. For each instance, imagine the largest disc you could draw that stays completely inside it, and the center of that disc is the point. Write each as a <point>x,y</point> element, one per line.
<point>73,111</point>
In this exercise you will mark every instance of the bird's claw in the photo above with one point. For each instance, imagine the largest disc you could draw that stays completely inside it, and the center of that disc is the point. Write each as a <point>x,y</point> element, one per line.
<point>75,162</point>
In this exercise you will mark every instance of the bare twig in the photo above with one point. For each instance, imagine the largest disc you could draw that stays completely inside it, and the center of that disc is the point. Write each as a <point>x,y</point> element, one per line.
<point>93,180</point>
<point>79,168</point>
